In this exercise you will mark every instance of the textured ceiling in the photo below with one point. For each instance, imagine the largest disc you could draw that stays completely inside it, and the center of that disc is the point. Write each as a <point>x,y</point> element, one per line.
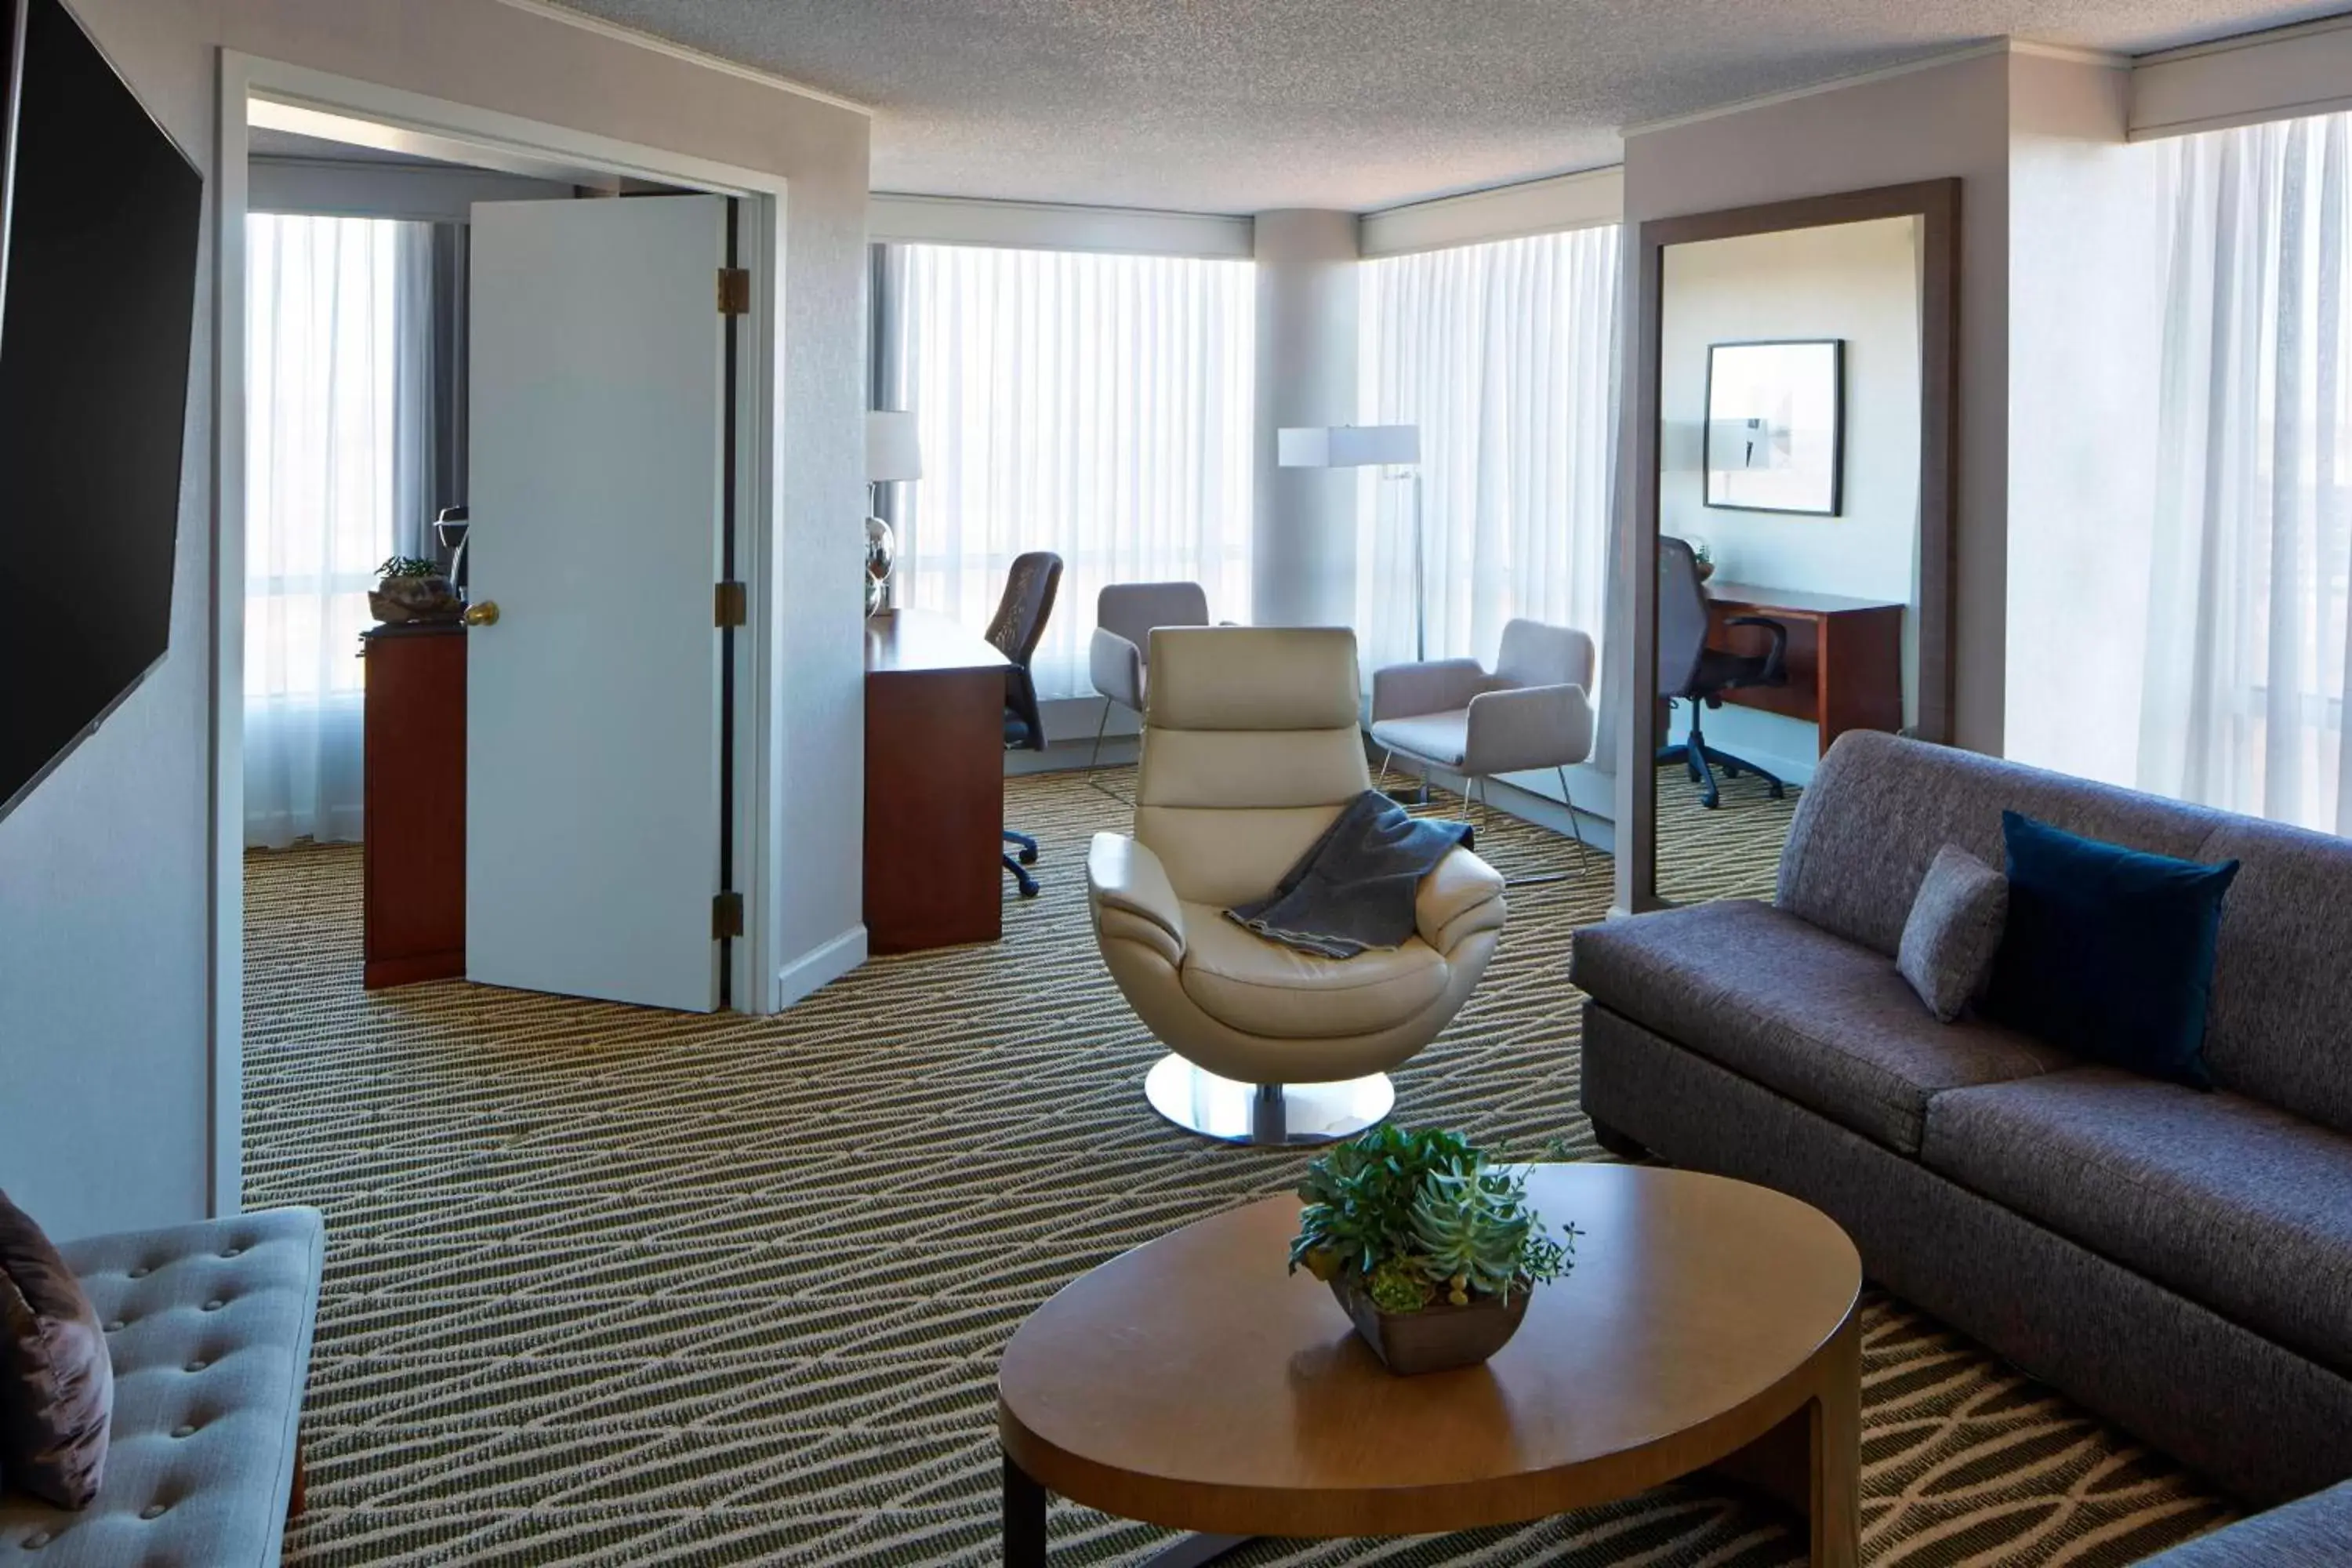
<point>1242,105</point>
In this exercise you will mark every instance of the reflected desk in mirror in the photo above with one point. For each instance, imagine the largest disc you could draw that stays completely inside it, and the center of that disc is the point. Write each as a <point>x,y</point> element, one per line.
<point>1844,660</point>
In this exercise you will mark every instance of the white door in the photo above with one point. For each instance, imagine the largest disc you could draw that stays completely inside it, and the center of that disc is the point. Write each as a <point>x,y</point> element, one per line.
<point>596,498</point>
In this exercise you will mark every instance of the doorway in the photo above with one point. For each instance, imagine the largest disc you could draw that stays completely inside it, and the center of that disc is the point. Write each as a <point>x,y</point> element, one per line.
<point>289,138</point>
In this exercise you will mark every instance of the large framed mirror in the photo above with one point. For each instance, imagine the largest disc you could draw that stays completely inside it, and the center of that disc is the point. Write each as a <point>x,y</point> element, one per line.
<point>1794,411</point>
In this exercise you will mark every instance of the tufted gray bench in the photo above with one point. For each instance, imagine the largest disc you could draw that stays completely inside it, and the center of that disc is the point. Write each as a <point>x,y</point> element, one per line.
<point>209,1327</point>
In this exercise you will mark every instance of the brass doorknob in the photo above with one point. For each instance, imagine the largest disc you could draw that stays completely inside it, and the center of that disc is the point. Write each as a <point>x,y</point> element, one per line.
<point>484,614</point>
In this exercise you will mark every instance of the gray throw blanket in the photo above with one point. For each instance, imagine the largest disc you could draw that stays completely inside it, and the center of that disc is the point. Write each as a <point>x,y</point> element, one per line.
<point>1355,887</point>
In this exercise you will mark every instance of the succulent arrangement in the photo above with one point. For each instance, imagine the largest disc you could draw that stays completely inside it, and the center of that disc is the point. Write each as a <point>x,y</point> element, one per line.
<point>410,588</point>
<point>1419,1216</point>
<point>408,566</point>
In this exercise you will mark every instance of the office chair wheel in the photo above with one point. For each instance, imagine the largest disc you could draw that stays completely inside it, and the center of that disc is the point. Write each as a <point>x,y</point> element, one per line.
<point>1028,883</point>
<point>1777,791</point>
<point>1029,856</point>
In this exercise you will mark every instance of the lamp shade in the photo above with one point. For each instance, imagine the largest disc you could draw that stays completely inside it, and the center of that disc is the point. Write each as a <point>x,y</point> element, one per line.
<point>1347,445</point>
<point>893,452</point>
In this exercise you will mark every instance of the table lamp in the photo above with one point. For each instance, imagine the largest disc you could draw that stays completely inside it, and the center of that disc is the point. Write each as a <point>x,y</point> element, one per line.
<point>894,451</point>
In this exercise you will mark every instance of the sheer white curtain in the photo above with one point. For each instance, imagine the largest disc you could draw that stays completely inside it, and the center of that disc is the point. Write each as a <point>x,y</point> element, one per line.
<point>1098,406</point>
<point>2243,705</point>
<point>1505,355</point>
<point>338,411</point>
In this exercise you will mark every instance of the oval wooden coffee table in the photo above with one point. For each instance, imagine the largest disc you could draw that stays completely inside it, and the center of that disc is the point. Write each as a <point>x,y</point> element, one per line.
<point>1193,1384</point>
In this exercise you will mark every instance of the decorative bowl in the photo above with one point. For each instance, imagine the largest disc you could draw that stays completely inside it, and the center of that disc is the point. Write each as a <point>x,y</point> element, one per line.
<point>1438,1338</point>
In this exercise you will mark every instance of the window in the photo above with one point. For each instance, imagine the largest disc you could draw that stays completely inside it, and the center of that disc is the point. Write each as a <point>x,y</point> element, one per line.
<point>330,460</point>
<point>1098,406</point>
<point>2243,702</point>
<point>1505,355</point>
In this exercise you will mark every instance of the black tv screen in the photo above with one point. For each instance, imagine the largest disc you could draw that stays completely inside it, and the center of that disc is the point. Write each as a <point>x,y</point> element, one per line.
<point>99,242</point>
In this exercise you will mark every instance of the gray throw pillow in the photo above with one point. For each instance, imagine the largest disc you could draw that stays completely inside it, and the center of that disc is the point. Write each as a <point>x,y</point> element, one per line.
<point>56,1381</point>
<point>1953,930</point>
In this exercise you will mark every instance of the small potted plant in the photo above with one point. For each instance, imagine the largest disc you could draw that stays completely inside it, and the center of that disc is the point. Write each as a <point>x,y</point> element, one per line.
<point>410,588</point>
<point>1432,1250</point>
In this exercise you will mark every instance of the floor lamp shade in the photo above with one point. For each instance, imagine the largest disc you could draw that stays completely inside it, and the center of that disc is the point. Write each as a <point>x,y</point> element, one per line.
<point>893,452</point>
<point>1347,446</point>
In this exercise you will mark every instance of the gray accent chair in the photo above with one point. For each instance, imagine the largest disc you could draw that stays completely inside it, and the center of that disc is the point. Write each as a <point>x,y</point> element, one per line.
<point>1533,711</point>
<point>2179,1262</point>
<point>2307,1533</point>
<point>1126,614</point>
<point>209,1327</point>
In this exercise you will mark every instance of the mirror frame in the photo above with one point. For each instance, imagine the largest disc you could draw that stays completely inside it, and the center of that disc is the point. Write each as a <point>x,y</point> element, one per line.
<point>1937,204</point>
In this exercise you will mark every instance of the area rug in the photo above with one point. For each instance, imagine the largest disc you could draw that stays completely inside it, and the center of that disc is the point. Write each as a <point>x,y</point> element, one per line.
<point>612,1286</point>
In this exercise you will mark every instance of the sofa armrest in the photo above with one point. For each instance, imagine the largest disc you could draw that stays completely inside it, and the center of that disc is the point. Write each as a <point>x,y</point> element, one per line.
<point>1131,895</point>
<point>1462,894</point>
<point>1438,686</point>
<point>1116,666</point>
<point>1528,727</point>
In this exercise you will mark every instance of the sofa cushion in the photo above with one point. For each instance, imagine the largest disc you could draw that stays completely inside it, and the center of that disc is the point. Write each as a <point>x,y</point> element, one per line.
<point>210,1329</point>
<point>2228,1201</point>
<point>2302,1534</point>
<point>1880,807</point>
<point>1260,987</point>
<point>1827,1022</point>
<point>2280,1027</point>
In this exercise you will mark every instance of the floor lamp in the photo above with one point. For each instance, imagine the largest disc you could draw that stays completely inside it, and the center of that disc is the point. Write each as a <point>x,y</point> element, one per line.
<point>1365,447</point>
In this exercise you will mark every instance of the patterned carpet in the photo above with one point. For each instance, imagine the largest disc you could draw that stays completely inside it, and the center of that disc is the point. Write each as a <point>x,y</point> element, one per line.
<point>612,1286</point>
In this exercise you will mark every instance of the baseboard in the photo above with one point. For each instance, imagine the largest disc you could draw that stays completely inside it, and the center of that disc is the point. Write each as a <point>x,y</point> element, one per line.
<point>820,966</point>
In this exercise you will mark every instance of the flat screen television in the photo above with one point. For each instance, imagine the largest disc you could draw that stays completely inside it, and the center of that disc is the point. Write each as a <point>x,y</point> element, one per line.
<point>100,215</point>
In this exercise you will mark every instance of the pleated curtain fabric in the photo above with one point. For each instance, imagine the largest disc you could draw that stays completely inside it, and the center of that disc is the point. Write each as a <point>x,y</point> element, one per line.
<point>1095,406</point>
<point>338,475</point>
<point>2242,700</point>
<point>1505,354</point>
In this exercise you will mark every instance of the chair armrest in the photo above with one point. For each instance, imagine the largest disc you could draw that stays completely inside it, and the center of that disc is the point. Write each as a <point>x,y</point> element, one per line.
<point>1116,665</point>
<point>1124,878</point>
<point>1438,686</point>
<point>1528,727</point>
<point>1775,671</point>
<point>1461,894</point>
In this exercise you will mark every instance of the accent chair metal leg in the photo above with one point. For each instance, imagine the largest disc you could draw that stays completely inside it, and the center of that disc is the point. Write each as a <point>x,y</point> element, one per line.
<point>1094,757</point>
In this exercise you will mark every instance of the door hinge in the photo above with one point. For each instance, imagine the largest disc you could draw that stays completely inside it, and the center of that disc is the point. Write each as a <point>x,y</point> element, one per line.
<point>734,291</point>
<point>729,605</point>
<point>726,916</point>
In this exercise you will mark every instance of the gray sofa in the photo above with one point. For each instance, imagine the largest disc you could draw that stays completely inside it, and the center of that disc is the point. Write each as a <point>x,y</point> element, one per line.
<point>2179,1262</point>
<point>209,1329</point>
<point>2312,1533</point>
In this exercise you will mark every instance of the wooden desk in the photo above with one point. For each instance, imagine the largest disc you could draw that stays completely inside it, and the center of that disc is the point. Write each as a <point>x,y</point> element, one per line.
<point>1844,660</point>
<point>413,903</point>
<point>934,782</point>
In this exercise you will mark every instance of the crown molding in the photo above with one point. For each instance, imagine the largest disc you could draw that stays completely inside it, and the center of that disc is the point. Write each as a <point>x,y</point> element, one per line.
<point>1887,73</point>
<point>545,10</point>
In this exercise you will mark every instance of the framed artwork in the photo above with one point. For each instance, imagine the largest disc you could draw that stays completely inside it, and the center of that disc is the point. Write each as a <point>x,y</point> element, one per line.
<point>1776,427</point>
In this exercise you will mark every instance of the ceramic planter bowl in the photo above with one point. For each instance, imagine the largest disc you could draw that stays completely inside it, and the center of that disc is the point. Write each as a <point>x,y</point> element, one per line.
<point>1440,1337</point>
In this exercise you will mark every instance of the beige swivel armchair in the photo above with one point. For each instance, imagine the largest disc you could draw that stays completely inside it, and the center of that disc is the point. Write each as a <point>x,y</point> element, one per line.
<point>1250,750</point>
<point>1534,712</point>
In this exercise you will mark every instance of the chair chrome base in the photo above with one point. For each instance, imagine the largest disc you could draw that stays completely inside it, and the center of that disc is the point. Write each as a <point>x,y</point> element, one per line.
<point>1200,1101</point>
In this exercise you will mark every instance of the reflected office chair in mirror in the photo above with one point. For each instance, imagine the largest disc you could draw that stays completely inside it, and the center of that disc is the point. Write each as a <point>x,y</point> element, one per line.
<point>1125,615</point>
<point>1019,623</point>
<point>1689,671</point>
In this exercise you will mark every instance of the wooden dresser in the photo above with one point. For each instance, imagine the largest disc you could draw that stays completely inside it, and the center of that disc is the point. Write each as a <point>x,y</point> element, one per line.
<point>934,782</point>
<point>414,902</point>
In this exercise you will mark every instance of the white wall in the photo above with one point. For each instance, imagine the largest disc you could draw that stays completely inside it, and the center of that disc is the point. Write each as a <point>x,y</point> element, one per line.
<point>327,187</point>
<point>107,1117</point>
<point>1854,281</point>
<point>2086,340</point>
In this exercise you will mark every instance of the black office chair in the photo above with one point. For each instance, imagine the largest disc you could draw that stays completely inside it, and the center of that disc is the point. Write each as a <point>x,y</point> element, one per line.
<point>1690,672</point>
<point>1029,589</point>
